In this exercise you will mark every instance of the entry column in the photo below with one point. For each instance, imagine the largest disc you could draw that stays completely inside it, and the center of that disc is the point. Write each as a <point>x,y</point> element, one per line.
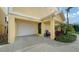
<point>11,29</point>
<point>52,29</point>
<point>42,29</point>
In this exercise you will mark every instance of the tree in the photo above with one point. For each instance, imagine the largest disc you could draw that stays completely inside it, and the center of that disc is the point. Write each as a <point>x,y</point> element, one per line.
<point>68,10</point>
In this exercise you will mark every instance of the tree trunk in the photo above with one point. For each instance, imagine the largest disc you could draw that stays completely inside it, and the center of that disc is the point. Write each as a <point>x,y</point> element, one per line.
<point>67,17</point>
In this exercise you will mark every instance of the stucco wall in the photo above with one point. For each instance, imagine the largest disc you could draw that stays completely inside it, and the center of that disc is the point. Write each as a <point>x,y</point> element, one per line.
<point>2,17</point>
<point>47,26</point>
<point>5,10</point>
<point>2,21</point>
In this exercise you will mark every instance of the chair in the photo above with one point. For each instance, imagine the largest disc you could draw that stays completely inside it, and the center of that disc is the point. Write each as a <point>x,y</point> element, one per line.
<point>47,33</point>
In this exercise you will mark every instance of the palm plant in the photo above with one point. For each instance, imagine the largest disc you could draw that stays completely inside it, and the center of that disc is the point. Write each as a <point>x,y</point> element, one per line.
<point>68,10</point>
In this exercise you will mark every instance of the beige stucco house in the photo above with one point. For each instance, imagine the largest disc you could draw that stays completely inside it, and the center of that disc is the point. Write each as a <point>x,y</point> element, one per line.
<point>3,25</point>
<point>3,19</point>
<point>24,21</point>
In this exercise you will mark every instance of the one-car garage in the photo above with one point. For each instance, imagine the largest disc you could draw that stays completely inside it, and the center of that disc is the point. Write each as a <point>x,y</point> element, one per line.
<point>24,28</point>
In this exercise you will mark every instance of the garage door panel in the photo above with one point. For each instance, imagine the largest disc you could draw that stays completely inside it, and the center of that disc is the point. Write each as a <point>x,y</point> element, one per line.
<point>23,29</point>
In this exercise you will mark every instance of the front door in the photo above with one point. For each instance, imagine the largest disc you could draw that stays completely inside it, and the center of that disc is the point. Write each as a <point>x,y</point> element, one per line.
<point>39,28</point>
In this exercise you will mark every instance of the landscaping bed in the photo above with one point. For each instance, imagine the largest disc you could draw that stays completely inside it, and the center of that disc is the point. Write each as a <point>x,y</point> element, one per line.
<point>66,38</point>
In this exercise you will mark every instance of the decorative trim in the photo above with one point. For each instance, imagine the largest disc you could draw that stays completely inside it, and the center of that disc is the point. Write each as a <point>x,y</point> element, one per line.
<point>20,14</point>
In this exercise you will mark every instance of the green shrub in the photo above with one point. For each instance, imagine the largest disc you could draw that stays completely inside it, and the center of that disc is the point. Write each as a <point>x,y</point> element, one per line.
<point>70,29</point>
<point>67,32</point>
<point>66,38</point>
<point>66,28</point>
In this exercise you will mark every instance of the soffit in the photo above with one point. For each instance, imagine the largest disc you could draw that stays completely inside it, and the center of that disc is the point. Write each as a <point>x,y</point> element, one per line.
<point>38,12</point>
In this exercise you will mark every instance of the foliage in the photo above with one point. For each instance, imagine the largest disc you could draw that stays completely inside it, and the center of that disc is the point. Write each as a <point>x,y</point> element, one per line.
<point>66,38</point>
<point>76,27</point>
<point>70,29</point>
<point>66,35</point>
<point>66,28</point>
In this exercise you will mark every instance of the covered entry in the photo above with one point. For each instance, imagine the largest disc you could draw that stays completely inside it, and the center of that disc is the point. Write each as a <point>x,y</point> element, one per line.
<point>50,26</point>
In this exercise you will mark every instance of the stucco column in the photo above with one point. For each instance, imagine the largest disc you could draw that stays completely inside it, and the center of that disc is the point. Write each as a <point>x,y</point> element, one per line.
<point>11,29</point>
<point>42,29</point>
<point>52,28</point>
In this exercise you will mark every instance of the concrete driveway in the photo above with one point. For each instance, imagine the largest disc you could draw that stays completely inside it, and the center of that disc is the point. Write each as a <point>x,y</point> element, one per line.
<point>39,44</point>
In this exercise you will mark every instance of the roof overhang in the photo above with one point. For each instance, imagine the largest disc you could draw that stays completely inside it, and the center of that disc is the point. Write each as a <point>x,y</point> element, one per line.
<point>31,17</point>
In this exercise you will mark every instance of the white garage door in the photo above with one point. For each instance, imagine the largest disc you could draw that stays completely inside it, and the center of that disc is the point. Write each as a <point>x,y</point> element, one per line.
<point>25,28</point>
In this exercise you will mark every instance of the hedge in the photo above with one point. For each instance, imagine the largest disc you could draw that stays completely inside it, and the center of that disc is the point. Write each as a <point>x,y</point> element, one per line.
<point>66,38</point>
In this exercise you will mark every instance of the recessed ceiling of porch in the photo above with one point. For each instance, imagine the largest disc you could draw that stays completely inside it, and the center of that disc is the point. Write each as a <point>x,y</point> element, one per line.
<point>38,12</point>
